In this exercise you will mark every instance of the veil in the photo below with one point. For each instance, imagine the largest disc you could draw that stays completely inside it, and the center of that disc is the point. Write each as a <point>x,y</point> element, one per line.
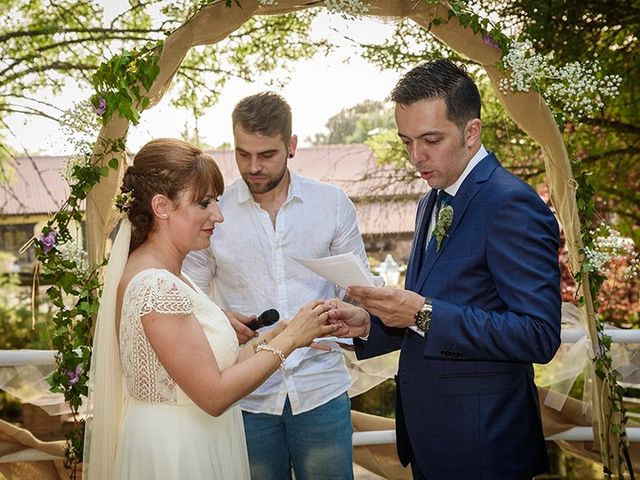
<point>104,402</point>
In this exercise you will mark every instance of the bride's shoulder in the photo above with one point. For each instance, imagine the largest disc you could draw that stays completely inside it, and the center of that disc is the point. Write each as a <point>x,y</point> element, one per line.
<point>149,277</point>
<point>143,279</point>
<point>156,289</point>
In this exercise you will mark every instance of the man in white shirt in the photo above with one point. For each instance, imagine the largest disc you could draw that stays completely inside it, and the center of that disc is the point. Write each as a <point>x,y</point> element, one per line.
<point>300,417</point>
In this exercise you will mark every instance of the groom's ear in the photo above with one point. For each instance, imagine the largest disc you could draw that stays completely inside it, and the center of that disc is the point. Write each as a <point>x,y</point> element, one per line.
<point>472,132</point>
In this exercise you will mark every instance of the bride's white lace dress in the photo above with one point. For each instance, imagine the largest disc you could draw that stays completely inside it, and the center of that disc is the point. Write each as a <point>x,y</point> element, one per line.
<point>163,434</point>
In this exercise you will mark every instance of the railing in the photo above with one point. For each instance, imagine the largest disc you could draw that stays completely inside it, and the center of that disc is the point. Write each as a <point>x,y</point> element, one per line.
<point>376,437</point>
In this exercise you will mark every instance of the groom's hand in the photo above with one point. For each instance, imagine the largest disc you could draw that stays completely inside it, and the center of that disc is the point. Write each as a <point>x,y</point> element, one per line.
<point>238,322</point>
<point>395,307</point>
<point>353,320</point>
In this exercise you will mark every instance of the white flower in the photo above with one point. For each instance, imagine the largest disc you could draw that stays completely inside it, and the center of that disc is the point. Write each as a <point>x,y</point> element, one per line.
<point>349,7</point>
<point>608,248</point>
<point>73,252</point>
<point>579,88</point>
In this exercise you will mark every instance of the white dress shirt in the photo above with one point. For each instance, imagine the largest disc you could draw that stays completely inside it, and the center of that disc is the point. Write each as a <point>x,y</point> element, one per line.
<point>249,270</point>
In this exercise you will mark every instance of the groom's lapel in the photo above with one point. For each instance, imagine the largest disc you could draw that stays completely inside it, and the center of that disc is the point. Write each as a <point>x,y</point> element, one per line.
<point>469,188</point>
<point>419,237</point>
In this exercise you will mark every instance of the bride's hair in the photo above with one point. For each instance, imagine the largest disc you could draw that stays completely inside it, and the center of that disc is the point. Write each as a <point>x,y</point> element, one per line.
<point>166,166</point>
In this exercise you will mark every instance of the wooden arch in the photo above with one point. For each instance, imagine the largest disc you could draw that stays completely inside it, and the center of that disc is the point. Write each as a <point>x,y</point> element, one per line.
<point>529,110</point>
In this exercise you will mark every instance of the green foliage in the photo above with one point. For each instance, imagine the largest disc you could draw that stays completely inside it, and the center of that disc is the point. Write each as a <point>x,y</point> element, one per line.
<point>572,31</point>
<point>603,363</point>
<point>607,145</point>
<point>18,329</point>
<point>409,45</point>
<point>380,400</point>
<point>356,124</point>
<point>205,70</point>
<point>391,154</point>
<point>49,45</point>
<point>74,292</point>
<point>119,81</point>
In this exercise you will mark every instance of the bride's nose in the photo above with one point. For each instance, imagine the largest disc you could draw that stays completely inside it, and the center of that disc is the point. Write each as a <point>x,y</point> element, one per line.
<point>216,214</point>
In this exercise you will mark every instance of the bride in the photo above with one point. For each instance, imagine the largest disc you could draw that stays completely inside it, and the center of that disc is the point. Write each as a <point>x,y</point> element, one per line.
<point>167,371</point>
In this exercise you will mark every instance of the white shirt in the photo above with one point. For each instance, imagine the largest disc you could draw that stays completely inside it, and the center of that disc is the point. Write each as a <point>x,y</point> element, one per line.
<point>248,262</point>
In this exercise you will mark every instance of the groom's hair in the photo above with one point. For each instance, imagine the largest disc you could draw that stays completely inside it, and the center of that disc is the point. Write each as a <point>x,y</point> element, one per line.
<point>441,79</point>
<point>266,113</point>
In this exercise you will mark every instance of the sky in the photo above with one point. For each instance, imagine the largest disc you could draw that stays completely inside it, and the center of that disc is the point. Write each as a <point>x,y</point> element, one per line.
<point>318,89</point>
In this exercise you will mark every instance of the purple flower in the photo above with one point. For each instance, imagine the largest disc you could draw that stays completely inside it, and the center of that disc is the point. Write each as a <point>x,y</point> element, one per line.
<point>101,107</point>
<point>48,240</point>
<point>488,39</point>
<point>74,375</point>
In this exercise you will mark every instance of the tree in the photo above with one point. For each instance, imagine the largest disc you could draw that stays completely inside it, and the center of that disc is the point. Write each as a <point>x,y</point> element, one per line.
<point>606,145</point>
<point>356,124</point>
<point>48,44</point>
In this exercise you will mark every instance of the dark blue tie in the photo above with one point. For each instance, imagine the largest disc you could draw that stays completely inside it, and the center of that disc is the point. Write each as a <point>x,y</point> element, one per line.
<point>442,199</point>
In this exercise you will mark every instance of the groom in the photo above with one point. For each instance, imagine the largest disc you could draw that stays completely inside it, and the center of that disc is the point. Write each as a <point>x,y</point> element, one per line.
<point>482,297</point>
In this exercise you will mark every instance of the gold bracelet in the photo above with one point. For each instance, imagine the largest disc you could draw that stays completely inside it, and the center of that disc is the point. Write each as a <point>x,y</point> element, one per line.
<point>256,343</point>
<point>276,351</point>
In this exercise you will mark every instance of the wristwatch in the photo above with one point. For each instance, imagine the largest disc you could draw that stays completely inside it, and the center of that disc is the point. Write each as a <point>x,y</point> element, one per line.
<point>423,316</point>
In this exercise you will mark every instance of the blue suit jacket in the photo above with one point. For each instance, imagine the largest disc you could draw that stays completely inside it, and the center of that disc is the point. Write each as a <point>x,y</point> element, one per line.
<point>467,405</point>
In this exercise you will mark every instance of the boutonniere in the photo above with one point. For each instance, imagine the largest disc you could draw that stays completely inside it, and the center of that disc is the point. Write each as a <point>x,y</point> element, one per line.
<point>445,219</point>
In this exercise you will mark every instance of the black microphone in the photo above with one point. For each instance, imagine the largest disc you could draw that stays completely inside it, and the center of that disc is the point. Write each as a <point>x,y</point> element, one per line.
<point>266,318</point>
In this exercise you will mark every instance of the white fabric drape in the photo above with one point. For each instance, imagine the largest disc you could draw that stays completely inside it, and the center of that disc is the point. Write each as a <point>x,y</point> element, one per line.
<point>105,377</point>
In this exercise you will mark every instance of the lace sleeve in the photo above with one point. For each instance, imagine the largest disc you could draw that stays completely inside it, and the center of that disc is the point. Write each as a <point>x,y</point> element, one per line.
<point>149,291</point>
<point>162,293</point>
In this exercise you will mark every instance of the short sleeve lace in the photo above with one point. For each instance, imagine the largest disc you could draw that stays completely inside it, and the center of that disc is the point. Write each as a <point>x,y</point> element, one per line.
<point>149,291</point>
<point>160,291</point>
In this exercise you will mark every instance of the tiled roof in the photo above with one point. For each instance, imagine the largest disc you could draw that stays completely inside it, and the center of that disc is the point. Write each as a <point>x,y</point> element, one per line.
<point>351,167</point>
<point>36,186</point>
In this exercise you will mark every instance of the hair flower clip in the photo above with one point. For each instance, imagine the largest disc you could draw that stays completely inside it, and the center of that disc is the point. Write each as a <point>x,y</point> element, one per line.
<point>123,201</point>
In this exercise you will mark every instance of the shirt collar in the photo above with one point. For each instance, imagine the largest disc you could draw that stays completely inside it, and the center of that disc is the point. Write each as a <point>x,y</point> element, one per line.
<point>475,160</point>
<point>295,189</point>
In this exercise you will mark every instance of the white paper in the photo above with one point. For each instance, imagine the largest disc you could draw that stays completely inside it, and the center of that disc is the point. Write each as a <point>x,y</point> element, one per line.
<point>344,270</point>
<point>346,341</point>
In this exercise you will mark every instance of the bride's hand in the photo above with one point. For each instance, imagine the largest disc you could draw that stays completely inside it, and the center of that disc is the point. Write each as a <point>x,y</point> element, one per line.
<point>278,328</point>
<point>309,323</point>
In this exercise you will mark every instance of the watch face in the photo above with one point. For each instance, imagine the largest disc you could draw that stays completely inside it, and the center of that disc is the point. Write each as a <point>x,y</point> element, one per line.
<point>421,321</point>
<point>423,317</point>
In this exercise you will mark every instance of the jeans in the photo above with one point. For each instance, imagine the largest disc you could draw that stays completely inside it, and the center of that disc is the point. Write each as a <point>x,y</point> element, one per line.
<point>317,443</point>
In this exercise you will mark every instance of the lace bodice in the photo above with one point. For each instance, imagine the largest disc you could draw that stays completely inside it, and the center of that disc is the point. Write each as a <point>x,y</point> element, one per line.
<point>160,291</point>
